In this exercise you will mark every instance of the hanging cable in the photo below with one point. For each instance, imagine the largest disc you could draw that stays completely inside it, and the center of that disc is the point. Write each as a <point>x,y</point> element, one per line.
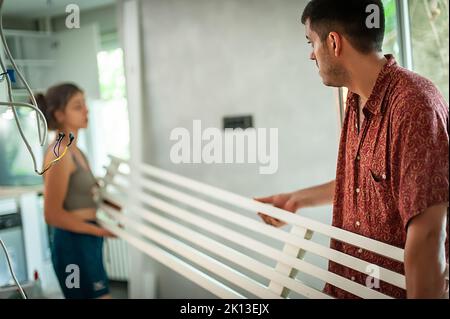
<point>42,138</point>
<point>11,270</point>
<point>58,144</point>
<point>40,118</point>
<point>71,138</point>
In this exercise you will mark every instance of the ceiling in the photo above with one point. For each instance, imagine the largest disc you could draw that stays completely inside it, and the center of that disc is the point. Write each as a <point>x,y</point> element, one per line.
<point>44,8</point>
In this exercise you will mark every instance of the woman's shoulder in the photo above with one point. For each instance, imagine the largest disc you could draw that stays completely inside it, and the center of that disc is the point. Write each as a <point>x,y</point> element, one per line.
<point>53,153</point>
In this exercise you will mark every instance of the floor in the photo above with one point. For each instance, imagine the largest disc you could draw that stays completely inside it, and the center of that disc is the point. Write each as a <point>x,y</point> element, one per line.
<point>119,289</point>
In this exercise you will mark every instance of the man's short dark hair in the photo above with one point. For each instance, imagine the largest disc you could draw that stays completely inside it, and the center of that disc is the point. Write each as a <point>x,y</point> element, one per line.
<point>348,17</point>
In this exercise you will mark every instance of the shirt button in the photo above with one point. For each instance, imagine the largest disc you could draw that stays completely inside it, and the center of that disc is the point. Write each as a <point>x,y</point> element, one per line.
<point>353,278</point>
<point>357,224</point>
<point>383,176</point>
<point>360,251</point>
<point>358,158</point>
<point>357,190</point>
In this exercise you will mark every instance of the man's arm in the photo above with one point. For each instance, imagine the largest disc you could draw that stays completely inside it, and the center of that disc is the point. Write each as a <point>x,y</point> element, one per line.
<point>309,197</point>
<point>425,254</point>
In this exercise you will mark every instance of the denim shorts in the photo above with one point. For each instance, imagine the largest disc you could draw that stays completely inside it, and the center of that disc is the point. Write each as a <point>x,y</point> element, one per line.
<point>78,264</point>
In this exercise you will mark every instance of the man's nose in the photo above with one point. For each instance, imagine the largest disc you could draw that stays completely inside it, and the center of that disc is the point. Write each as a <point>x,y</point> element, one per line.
<point>312,56</point>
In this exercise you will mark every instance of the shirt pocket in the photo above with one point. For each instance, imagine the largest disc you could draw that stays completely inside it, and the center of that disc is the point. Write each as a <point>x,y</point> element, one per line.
<point>378,176</point>
<point>380,194</point>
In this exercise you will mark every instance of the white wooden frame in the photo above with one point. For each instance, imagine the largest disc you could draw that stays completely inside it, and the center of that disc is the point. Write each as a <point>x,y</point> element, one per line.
<point>177,226</point>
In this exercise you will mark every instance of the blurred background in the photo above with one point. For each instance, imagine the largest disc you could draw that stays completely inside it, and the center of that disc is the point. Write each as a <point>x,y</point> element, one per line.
<point>149,71</point>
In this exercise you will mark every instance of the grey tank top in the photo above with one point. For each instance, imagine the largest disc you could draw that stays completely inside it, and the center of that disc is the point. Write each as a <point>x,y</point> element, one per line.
<point>80,192</point>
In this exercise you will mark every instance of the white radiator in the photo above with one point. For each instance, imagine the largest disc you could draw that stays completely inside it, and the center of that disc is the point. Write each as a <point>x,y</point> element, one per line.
<point>115,255</point>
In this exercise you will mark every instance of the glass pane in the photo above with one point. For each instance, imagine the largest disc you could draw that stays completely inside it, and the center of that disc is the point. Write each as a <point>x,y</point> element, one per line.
<point>16,166</point>
<point>429,34</point>
<point>390,44</point>
<point>111,74</point>
<point>109,116</point>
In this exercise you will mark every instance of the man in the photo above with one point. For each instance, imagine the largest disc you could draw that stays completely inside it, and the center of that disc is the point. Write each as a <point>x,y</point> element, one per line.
<point>392,172</point>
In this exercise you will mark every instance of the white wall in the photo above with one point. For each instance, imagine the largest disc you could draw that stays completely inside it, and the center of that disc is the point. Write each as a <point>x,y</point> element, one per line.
<point>204,59</point>
<point>104,17</point>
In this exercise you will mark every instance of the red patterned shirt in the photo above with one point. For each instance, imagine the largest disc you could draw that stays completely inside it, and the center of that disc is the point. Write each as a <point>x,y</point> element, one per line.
<point>391,169</point>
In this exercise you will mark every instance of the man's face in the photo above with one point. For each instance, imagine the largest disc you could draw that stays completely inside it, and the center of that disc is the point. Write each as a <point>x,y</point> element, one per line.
<point>330,69</point>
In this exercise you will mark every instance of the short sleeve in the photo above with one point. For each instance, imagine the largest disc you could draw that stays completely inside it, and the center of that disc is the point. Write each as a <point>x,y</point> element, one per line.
<point>420,150</point>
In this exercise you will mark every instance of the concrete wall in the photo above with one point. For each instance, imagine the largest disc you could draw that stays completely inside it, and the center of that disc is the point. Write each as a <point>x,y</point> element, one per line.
<point>204,59</point>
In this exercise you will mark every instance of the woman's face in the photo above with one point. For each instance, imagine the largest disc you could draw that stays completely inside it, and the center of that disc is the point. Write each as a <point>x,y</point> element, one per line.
<point>75,115</point>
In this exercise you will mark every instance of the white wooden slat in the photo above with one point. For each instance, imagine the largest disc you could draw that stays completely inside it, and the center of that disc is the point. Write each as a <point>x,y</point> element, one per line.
<point>226,252</point>
<point>232,217</point>
<point>326,252</point>
<point>221,231</point>
<point>282,268</point>
<point>114,199</point>
<point>176,264</point>
<point>394,253</point>
<point>253,206</point>
<point>197,257</point>
<point>310,269</point>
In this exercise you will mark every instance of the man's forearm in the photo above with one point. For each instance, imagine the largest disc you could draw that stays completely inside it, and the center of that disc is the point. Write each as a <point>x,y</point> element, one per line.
<point>317,195</point>
<point>425,254</point>
<point>424,270</point>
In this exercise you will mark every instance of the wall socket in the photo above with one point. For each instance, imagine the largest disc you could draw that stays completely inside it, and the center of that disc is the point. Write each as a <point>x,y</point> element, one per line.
<point>242,122</point>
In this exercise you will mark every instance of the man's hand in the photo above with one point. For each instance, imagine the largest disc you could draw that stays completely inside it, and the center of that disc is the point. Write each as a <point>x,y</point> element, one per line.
<point>425,254</point>
<point>291,202</point>
<point>287,202</point>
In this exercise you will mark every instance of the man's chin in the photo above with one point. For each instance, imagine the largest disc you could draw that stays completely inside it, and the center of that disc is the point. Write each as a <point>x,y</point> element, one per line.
<point>330,83</point>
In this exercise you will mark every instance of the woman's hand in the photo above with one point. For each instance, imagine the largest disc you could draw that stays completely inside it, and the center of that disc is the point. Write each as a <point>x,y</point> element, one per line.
<point>102,232</point>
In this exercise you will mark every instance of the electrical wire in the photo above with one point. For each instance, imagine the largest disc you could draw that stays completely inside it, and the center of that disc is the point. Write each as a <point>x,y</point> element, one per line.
<point>42,138</point>
<point>8,259</point>
<point>58,144</point>
<point>40,118</point>
<point>71,138</point>
<point>31,106</point>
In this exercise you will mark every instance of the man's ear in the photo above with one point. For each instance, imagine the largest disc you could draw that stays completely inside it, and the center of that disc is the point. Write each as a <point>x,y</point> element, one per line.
<point>335,43</point>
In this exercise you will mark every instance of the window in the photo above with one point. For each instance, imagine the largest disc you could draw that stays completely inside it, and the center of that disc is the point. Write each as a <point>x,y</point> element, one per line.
<point>16,167</point>
<point>111,73</point>
<point>429,36</point>
<point>110,126</point>
<point>391,43</point>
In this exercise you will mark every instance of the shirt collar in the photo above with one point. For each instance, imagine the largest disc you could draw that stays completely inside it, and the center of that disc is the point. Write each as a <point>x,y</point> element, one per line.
<point>375,102</point>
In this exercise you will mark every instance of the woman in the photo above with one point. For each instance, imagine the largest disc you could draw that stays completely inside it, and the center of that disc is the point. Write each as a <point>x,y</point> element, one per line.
<point>69,205</point>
